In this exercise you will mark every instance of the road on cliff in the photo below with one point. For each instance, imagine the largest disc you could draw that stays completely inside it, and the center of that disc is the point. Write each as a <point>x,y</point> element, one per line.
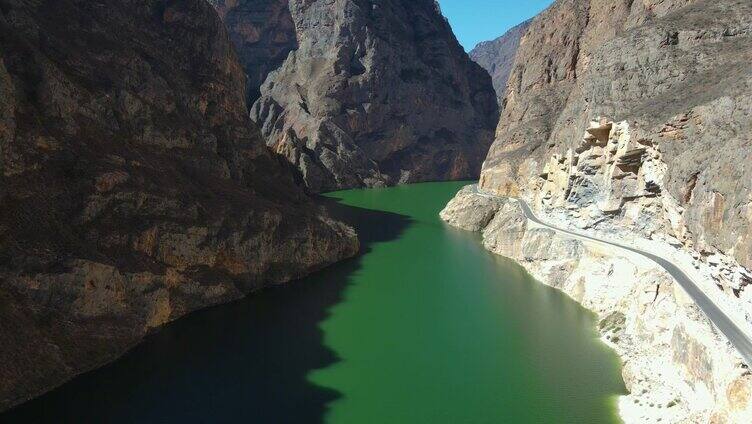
<point>738,338</point>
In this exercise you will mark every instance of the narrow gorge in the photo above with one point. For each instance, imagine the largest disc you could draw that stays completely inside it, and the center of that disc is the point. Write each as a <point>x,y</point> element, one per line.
<point>136,188</point>
<point>342,211</point>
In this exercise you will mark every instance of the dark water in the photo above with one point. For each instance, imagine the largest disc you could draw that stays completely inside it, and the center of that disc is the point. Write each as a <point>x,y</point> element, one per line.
<point>425,327</point>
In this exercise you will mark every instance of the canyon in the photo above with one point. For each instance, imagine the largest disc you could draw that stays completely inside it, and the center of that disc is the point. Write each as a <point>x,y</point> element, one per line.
<point>425,321</point>
<point>160,157</point>
<point>136,188</point>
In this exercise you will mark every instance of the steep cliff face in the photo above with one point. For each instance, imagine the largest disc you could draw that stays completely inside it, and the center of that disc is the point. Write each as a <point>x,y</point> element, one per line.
<point>376,93</point>
<point>134,188</point>
<point>497,56</point>
<point>676,72</point>
<point>631,121</point>
<point>263,34</point>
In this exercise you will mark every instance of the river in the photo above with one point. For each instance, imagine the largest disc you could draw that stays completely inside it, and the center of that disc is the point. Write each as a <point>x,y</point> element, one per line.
<point>424,327</point>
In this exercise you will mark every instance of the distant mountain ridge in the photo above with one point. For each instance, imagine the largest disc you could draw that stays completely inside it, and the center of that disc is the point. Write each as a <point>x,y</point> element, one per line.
<point>497,56</point>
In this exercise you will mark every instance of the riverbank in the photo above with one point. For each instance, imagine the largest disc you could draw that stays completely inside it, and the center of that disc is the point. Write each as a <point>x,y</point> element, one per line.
<point>676,366</point>
<point>423,326</point>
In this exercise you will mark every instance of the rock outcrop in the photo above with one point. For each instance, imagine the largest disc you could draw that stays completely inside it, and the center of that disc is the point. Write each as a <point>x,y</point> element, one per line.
<point>375,93</point>
<point>497,56</point>
<point>134,188</point>
<point>676,366</point>
<point>676,72</point>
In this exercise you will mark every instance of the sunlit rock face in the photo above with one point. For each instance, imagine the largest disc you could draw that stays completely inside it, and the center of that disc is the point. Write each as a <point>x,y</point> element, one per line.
<point>677,72</point>
<point>607,174</point>
<point>374,93</point>
<point>615,183</point>
<point>631,120</point>
<point>134,187</point>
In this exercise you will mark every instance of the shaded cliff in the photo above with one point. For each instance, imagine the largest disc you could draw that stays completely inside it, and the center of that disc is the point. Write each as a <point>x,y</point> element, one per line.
<point>134,188</point>
<point>497,56</point>
<point>263,34</point>
<point>677,72</point>
<point>374,94</point>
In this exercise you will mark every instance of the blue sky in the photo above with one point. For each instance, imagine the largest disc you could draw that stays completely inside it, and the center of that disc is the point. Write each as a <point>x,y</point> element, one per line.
<point>474,21</point>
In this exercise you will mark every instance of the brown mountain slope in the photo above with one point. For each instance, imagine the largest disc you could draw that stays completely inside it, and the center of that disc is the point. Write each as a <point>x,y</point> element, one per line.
<point>134,188</point>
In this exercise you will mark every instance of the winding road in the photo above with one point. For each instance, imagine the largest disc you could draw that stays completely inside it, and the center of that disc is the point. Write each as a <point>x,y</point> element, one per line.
<point>737,336</point>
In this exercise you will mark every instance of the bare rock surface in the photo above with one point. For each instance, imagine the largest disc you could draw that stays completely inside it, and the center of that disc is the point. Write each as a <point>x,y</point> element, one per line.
<point>376,93</point>
<point>473,214</point>
<point>134,188</point>
<point>263,34</point>
<point>630,121</point>
<point>677,72</point>
<point>497,56</point>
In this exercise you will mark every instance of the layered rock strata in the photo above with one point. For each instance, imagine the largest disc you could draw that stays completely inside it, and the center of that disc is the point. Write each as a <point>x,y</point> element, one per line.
<point>614,182</point>
<point>134,188</point>
<point>676,366</point>
<point>375,93</point>
<point>676,71</point>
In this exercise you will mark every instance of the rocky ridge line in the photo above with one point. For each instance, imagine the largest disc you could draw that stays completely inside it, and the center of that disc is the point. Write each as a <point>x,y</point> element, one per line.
<point>497,56</point>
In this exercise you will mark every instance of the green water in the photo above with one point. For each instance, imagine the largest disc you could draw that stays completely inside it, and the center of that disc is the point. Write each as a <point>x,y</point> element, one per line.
<point>434,329</point>
<point>424,327</point>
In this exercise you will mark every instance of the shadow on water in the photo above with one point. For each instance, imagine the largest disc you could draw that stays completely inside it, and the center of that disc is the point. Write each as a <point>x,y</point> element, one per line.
<point>242,362</point>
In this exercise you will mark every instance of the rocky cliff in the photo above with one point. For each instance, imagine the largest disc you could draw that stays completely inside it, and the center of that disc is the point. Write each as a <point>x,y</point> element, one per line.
<point>374,93</point>
<point>134,188</point>
<point>672,81</point>
<point>263,34</point>
<point>631,121</point>
<point>497,56</point>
